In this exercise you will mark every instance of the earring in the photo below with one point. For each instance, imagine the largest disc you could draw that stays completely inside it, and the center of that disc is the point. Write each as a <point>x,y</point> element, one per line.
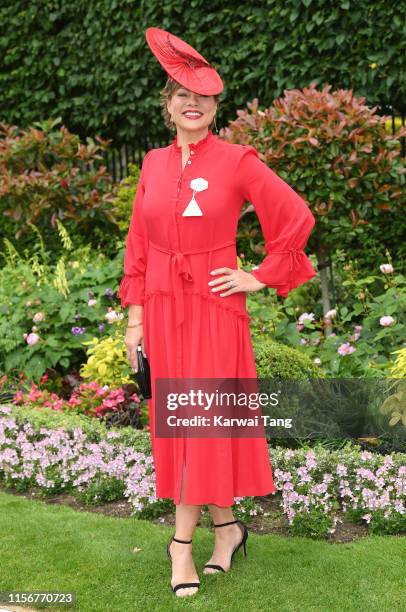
<point>215,125</point>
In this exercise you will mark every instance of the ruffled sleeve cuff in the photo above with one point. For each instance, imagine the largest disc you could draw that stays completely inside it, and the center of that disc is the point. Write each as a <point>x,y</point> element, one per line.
<point>131,290</point>
<point>284,270</point>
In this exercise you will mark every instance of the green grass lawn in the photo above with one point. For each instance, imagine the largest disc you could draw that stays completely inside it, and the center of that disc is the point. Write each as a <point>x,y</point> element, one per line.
<point>55,548</point>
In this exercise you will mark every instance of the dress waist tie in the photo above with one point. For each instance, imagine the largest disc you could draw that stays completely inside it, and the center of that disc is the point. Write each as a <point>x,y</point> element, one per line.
<point>180,268</point>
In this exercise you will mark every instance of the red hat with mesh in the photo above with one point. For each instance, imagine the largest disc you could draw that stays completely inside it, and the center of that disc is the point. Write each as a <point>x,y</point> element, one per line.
<point>183,64</point>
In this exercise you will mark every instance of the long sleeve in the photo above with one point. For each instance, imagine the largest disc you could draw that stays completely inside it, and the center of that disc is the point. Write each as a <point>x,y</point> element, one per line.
<point>132,285</point>
<point>286,222</point>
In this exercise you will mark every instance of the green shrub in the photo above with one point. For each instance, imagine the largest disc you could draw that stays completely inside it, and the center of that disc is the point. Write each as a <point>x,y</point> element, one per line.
<point>398,369</point>
<point>45,307</point>
<point>48,174</point>
<point>124,198</point>
<point>107,361</point>
<point>275,360</point>
<point>337,154</point>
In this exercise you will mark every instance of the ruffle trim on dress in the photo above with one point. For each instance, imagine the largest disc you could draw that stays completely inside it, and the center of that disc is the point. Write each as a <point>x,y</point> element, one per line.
<point>285,270</point>
<point>204,296</point>
<point>131,290</point>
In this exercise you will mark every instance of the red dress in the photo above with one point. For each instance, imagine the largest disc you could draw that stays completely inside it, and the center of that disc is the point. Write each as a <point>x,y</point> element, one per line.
<point>190,332</point>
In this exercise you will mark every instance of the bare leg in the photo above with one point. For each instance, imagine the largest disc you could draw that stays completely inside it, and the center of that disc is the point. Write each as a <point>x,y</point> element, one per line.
<point>183,567</point>
<point>227,538</point>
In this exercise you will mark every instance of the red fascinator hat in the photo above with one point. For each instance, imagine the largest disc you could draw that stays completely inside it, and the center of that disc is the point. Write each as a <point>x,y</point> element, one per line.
<point>183,63</point>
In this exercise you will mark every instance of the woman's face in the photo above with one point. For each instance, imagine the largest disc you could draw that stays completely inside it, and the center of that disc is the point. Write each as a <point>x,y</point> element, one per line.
<point>191,111</point>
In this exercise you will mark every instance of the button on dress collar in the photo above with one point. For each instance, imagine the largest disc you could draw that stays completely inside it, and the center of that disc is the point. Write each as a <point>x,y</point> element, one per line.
<point>195,147</point>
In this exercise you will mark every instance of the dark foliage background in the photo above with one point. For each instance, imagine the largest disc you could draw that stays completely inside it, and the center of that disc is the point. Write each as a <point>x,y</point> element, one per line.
<point>88,62</point>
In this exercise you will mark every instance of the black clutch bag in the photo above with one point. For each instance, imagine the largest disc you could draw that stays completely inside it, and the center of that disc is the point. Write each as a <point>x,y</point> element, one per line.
<point>143,375</point>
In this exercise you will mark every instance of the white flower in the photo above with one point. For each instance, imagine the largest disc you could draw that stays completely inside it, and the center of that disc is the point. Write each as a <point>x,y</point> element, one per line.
<point>38,317</point>
<point>92,302</point>
<point>317,360</point>
<point>386,321</point>
<point>330,314</point>
<point>386,268</point>
<point>306,316</point>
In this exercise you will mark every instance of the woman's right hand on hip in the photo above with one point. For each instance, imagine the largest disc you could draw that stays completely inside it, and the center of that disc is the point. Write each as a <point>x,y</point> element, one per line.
<point>133,337</point>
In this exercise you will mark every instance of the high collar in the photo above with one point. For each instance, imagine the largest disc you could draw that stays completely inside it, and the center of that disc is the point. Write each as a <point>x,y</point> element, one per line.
<point>195,146</point>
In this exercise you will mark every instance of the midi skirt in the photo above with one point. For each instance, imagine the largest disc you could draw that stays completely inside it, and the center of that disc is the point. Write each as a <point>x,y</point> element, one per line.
<point>213,341</point>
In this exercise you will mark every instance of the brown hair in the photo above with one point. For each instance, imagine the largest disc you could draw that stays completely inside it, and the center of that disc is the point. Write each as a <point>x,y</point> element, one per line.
<point>166,94</point>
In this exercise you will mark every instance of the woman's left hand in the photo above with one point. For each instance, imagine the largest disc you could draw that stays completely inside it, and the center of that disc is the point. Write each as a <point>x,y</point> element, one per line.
<point>241,281</point>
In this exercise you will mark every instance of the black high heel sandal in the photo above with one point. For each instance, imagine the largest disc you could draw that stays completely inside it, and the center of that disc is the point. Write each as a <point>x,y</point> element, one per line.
<point>242,543</point>
<point>181,585</point>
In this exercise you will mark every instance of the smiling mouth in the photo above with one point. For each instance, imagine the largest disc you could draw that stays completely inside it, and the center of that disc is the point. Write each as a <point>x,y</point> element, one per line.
<point>192,114</point>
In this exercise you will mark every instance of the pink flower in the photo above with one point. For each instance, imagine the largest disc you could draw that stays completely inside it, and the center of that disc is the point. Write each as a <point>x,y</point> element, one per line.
<point>341,469</point>
<point>354,337</point>
<point>74,401</point>
<point>38,317</point>
<point>92,302</point>
<point>367,517</point>
<point>345,349</point>
<point>386,268</point>
<point>32,339</point>
<point>19,397</point>
<point>386,321</point>
<point>111,316</point>
<point>58,405</point>
<point>330,314</point>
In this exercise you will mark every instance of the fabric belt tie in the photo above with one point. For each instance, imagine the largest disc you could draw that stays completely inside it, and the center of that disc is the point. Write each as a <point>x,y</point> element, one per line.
<point>180,266</point>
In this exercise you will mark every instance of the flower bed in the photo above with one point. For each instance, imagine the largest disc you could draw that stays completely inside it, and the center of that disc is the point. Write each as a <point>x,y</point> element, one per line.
<point>315,486</point>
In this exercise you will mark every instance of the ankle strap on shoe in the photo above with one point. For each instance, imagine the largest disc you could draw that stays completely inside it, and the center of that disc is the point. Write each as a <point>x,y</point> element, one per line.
<point>182,541</point>
<point>229,523</point>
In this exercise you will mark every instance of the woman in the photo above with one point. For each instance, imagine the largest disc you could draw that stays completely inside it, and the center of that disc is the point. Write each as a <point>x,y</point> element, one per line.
<point>186,295</point>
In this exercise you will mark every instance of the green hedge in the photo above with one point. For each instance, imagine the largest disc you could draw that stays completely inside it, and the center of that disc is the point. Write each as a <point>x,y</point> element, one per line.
<point>88,60</point>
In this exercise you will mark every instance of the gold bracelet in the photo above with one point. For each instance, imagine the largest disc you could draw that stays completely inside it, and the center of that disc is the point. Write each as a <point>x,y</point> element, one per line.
<point>135,324</point>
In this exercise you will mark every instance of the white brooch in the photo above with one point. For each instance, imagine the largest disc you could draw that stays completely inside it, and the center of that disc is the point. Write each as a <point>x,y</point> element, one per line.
<point>192,209</point>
